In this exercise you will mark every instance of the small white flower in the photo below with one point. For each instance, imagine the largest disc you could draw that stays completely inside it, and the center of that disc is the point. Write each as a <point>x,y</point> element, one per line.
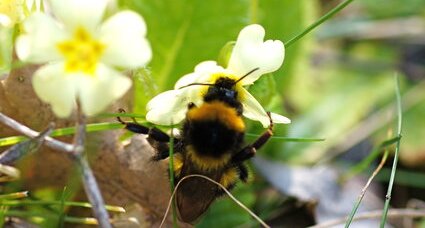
<point>250,52</point>
<point>81,54</point>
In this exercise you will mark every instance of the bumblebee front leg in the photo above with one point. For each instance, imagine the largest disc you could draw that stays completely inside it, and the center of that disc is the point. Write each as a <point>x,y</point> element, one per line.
<point>156,138</point>
<point>153,133</point>
<point>250,150</point>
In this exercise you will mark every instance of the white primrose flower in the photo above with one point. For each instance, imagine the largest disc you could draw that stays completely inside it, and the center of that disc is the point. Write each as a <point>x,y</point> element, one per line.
<point>81,54</point>
<point>250,52</point>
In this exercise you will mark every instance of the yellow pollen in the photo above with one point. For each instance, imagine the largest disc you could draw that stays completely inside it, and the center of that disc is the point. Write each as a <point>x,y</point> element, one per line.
<point>81,52</point>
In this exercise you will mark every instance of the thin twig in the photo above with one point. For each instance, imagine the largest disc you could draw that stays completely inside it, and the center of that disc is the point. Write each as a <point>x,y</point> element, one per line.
<point>93,193</point>
<point>392,213</point>
<point>89,182</point>
<point>29,146</point>
<point>222,187</point>
<point>52,143</point>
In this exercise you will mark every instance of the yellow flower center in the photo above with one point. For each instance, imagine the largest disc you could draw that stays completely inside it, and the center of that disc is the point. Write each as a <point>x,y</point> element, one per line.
<point>81,52</point>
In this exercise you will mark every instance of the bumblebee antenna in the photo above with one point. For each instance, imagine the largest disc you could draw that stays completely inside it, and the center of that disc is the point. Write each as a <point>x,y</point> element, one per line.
<point>210,84</point>
<point>195,83</point>
<point>252,71</point>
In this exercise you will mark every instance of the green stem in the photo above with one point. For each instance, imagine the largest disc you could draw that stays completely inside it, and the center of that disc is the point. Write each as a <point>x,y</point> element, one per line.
<point>394,167</point>
<point>325,17</point>
<point>69,219</point>
<point>171,169</point>
<point>356,207</point>
<point>64,131</point>
<point>15,195</point>
<point>17,203</point>
<point>289,139</point>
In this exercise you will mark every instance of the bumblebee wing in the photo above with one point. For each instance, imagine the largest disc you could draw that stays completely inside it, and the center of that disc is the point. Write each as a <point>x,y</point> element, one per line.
<point>193,198</point>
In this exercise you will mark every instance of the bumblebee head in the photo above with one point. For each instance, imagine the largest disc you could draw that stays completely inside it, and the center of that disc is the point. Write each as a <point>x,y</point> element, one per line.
<point>223,89</point>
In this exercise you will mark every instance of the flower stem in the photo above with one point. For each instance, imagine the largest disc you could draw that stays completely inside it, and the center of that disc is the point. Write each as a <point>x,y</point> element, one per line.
<point>90,185</point>
<point>324,18</point>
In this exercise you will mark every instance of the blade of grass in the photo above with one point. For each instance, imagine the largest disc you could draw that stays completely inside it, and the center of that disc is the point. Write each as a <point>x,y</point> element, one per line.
<point>62,208</point>
<point>121,114</point>
<point>2,215</point>
<point>394,167</point>
<point>68,219</point>
<point>325,17</point>
<point>64,131</point>
<point>15,195</point>
<point>95,127</point>
<point>18,203</point>
<point>171,168</point>
<point>289,139</point>
<point>356,206</point>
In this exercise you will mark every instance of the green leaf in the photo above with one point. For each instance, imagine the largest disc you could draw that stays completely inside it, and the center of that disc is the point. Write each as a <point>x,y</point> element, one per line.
<point>184,33</point>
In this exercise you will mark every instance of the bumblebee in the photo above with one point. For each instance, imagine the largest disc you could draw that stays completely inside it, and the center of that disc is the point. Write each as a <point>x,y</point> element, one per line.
<point>211,144</point>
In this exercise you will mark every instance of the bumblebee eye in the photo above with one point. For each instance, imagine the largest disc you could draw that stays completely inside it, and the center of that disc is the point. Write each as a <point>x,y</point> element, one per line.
<point>231,93</point>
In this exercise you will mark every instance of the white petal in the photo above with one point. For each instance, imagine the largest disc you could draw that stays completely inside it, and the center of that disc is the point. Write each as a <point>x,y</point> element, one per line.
<point>202,73</point>
<point>187,79</point>
<point>251,52</point>
<point>76,13</point>
<point>54,87</point>
<point>279,118</point>
<point>167,108</point>
<point>208,67</point>
<point>5,20</point>
<point>38,45</point>
<point>252,109</point>
<point>97,92</point>
<point>124,37</point>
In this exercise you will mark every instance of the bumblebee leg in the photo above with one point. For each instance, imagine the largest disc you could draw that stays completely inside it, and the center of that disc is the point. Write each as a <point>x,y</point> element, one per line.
<point>154,133</point>
<point>243,172</point>
<point>156,138</point>
<point>250,150</point>
<point>162,149</point>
